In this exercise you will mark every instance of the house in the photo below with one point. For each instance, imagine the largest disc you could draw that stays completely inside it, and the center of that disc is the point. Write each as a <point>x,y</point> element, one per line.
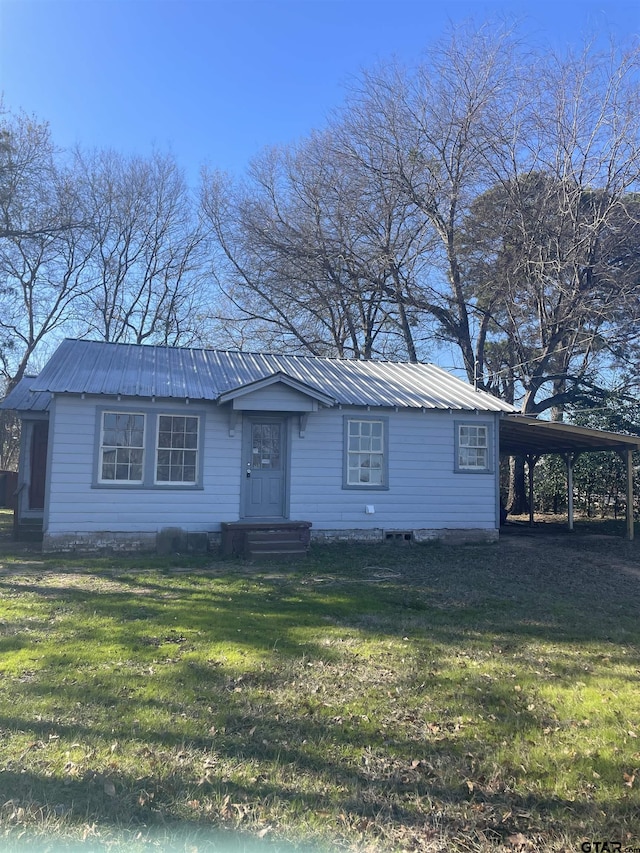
<point>149,445</point>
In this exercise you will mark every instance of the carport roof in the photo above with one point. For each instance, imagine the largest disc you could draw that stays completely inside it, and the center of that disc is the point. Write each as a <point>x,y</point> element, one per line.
<point>520,434</point>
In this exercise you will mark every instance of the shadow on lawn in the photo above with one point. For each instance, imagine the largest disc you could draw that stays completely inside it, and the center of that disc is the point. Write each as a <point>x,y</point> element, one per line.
<point>330,757</point>
<point>391,794</point>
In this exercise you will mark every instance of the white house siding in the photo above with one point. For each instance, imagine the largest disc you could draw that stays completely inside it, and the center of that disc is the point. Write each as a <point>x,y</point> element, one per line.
<point>424,491</point>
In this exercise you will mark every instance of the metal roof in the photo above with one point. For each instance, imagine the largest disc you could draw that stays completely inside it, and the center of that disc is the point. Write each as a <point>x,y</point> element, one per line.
<point>22,398</point>
<point>521,434</point>
<point>94,367</point>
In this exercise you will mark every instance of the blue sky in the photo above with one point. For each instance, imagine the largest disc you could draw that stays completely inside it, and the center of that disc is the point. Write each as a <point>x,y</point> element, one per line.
<point>215,81</point>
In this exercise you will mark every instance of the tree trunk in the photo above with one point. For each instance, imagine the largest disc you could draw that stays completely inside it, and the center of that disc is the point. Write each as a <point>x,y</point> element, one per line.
<point>517,501</point>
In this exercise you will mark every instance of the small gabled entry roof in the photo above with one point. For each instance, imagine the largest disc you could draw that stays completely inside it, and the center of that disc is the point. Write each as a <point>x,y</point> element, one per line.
<point>276,379</point>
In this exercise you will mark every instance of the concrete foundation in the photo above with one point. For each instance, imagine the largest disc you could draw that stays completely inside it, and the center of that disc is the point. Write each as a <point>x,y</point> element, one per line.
<point>451,536</point>
<point>172,540</point>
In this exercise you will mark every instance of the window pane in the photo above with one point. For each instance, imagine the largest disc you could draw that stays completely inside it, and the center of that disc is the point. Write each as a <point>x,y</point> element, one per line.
<point>176,453</point>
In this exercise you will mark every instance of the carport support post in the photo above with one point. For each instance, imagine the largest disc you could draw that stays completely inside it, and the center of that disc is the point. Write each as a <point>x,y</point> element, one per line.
<point>569,460</point>
<point>629,493</point>
<point>531,464</point>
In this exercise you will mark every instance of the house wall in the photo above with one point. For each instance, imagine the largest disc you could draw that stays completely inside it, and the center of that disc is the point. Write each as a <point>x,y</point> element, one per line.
<point>78,510</point>
<point>423,495</point>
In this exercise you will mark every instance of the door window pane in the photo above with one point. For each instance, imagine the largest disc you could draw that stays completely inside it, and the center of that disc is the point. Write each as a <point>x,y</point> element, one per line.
<point>265,446</point>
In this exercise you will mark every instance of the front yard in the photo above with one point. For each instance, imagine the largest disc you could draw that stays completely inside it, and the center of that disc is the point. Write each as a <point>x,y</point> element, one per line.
<point>392,698</point>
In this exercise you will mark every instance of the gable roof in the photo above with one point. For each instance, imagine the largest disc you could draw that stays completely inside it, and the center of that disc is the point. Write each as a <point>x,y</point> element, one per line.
<point>93,367</point>
<point>22,398</point>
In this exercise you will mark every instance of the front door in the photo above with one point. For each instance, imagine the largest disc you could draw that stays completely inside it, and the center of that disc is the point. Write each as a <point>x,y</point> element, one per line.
<point>38,464</point>
<point>264,467</point>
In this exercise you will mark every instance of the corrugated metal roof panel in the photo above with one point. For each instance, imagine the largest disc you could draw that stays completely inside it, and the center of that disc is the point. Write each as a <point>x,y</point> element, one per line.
<point>23,399</point>
<point>94,367</point>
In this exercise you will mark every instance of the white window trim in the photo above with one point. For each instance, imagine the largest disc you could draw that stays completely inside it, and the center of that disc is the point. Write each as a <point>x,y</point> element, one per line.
<point>367,487</point>
<point>474,469</point>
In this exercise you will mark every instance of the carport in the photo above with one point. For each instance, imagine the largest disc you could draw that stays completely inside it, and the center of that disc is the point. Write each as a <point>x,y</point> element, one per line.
<point>533,438</point>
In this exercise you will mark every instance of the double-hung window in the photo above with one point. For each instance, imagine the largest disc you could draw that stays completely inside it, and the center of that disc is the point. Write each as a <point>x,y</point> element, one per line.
<point>177,449</point>
<point>122,447</point>
<point>366,462</point>
<point>473,447</point>
<point>147,450</point>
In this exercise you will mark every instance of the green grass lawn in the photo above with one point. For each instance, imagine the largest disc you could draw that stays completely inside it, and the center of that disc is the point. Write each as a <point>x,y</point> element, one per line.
<point>423,698</point>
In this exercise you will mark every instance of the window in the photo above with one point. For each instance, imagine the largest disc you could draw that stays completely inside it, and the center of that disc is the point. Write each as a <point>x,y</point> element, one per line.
<point>472,447</point>
<point>366,454</point>
<point>160,450</point>
<point>177,449</point>
<point>122,447</point>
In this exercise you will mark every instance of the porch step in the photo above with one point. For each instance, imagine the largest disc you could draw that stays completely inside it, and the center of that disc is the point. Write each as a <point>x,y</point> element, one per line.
<point>275,544</point>
<point>29,530</point>
<point>266,540</point>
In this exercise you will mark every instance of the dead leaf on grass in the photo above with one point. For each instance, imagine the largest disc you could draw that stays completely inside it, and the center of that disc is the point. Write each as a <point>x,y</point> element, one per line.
<point>519,841</point>
<point>629,779</point>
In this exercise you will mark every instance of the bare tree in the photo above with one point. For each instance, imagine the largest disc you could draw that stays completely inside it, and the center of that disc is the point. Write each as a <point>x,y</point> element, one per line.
<point>27,170</point>
<point>478,120</point>
<point>313,254</point>
<point>431,130</point>
<point>42,255</point>
<point>566,206</point>
<point>146,262</point>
